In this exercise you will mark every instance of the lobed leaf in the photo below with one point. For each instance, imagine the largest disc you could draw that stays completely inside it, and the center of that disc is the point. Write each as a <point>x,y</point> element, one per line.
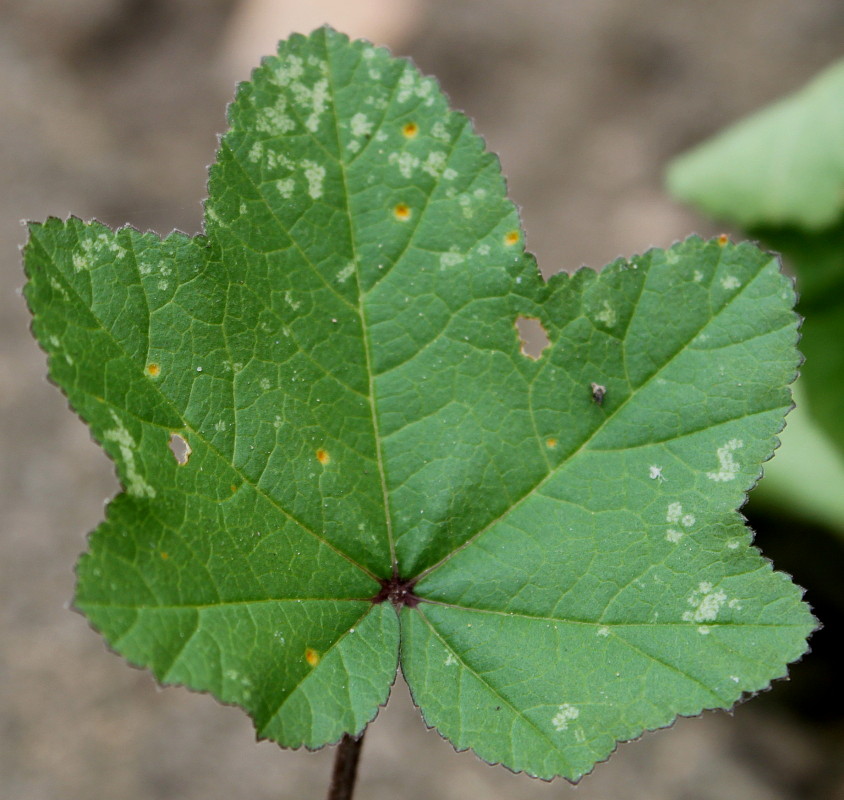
<point>558,536</point>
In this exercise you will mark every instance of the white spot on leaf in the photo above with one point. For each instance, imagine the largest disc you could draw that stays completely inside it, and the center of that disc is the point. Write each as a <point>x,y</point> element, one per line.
<point>316,98</point>
<point>435,163</point>
<point>315,175</point>
<point>451,259</point>
<point>706,602</point>
<point>728,465</point>
<point>675,511</point>
<point>285,187</point>
<point>135,483</point>
<point>406,163</point>
<point>344,274</point>
<point>439,132</point>
<point>274,121</point>
<point>406,86</point>
<point>289,70</point>
<point>361,125</point>
<point>565,713</point>
<point>606,315</point>
<point>730,282</point>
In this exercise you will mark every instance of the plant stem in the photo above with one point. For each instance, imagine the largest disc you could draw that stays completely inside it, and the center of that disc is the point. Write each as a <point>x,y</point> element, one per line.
<point>345,768</point>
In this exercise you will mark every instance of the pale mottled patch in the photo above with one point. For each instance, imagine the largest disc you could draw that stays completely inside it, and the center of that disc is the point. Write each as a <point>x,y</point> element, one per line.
<point>606,315</point>
<point>566,713</point>
<point>435,163</point>
<point>285,187</point>
<point>361,125</point>
<point>346,272</point>
<point>406,162</point>
<point>452,258</point>
<point>136,485</point>
<point>706,602</point>
<point>728,466</point>
<point>314,175</point>
<point>274,120</point>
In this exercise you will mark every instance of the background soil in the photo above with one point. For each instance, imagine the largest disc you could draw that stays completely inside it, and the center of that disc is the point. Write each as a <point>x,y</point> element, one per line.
<point>110,109</point>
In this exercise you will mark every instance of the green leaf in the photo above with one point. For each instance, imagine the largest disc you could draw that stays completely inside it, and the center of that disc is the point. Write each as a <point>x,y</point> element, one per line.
<point>780,175</point>
<point>807,475</point>
<point>783,166</point>
<point>339,352</point>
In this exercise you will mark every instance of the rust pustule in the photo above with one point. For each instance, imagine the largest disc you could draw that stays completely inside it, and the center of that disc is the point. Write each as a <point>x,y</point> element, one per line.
<point>399,591</point>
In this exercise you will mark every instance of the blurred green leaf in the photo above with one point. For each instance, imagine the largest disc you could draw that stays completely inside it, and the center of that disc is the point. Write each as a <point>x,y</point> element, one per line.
<point>783,166</point>
<point>779,174</point>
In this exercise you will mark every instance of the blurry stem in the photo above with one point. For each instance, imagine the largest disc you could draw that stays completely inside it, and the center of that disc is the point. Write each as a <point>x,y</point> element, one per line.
<point>345,768</point>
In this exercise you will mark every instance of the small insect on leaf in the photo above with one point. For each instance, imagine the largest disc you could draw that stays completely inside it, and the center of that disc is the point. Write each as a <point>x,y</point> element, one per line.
<point>598,393</point>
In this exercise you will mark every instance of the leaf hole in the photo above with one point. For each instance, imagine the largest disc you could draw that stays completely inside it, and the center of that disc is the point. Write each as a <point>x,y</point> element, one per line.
<point>180,449</point>
<point>532,336</point>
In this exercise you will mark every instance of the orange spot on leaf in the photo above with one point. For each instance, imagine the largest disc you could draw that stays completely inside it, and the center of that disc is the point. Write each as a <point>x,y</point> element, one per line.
<point>322,456</point>
<point>311,656</point>
<point>164,555</point>
<point>723,239</point>
<point>410,129</point>
<point>551,442</point>
<point>511,238</point>
<point>402,212</point>
<point>153,370</point>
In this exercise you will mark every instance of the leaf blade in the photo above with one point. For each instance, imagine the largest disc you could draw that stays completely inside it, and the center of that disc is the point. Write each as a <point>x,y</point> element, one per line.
<point>634,530</point>
<point>340,355</point>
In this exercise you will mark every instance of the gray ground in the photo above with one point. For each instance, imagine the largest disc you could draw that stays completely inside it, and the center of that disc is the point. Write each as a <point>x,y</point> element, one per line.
<point>109,109</point>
